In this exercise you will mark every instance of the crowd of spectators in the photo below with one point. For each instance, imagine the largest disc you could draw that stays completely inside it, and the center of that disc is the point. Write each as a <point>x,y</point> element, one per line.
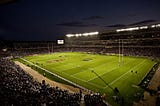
<point>18,88</point>
<point>93,99</point>
<point>158,97</point>
<point>141,47</point>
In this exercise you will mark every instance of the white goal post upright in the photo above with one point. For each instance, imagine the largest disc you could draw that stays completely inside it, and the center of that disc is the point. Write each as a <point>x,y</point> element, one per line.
<point>119,53</point>
<point>48,49</point>
<point>52,47</point>
<point>121,50</point>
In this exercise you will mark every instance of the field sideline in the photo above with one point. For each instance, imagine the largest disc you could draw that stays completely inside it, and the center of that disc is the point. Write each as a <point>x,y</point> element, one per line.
<point>77,67</point>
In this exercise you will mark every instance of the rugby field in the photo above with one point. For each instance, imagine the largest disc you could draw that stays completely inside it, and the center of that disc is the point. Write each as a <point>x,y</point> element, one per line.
<point>81,68</point>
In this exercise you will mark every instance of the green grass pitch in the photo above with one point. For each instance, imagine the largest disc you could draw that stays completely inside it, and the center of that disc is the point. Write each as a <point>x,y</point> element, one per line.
<point>77,67</point>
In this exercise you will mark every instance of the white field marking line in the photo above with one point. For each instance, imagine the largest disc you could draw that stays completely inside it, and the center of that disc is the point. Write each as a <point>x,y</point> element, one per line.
<point>69,64</point>
<point>82,80</point>
<point>87,82</point>
<point>76,67</point>
<point>69,68</point>
<point>88,69</point>
<point>64,78</point>
<point>94,67</point>
<point>125,73</point>
<point>147,72</point>
<point>55,74</point>
<point>109,71</point>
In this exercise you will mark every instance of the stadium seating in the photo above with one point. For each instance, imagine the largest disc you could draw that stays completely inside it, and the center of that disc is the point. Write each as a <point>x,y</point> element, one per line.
<point>19,89</point>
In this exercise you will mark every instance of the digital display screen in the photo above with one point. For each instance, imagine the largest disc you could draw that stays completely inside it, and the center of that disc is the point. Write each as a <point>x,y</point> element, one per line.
<point>60,42</point>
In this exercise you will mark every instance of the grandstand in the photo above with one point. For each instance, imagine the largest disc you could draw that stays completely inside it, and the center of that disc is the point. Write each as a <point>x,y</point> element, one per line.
<point>143,42</point>
<point>104,42</point>
<point>133,42</point>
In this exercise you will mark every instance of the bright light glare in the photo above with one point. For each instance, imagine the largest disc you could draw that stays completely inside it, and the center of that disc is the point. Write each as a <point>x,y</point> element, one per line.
<point>4,50</point>
<point>158,25</point>
<point>69,35</point>
<point>127,29</point>
<point>83,34</point>
<point>153,26</point>
<point>143,27</point>
<point>60,41</point>
<point>137,28</point>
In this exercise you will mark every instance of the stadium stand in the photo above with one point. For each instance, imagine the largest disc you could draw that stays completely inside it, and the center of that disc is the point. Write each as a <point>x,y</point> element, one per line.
<point>19,89</point>
<point>137,43</point>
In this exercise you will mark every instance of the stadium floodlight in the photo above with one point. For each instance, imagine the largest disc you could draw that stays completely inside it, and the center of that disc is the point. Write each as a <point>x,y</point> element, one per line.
<point>143,27</point>
<point>79,35</point>
<point>69,35</point>
<point>137,28</point>
<point>4,50</point>
<point>158,25</point>
<point>82,34</point>
<point>132,29</point>
<point>93,33</point>
<point>153,26</point>
<point>85,34</point>
<point>128,29</point>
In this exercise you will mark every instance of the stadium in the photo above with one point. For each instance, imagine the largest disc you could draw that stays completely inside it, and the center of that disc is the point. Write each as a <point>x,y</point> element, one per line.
<point>79,53</point>
<point>117,67</point>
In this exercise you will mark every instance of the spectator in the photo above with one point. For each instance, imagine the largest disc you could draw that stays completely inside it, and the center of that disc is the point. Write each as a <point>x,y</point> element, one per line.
<point>18,88</point>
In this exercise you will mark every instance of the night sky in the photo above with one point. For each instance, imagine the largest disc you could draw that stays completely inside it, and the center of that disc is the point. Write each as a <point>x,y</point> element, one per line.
<point>51,19</point>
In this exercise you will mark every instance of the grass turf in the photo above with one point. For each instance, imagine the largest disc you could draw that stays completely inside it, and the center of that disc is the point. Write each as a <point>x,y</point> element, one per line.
<point>77,67</point>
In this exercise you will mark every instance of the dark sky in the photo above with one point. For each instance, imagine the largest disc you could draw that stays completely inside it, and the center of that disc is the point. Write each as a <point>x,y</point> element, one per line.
<point>49,19</point>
